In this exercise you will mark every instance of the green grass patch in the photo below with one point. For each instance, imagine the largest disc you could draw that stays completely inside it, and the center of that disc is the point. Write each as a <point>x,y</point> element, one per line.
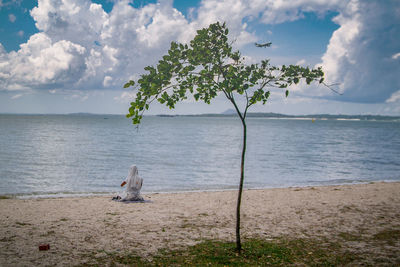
<point>390,236</point>
<point>112,259</point>
<point>7,239</point>
<point>215,253</point>
<point>5,197</point>
<point>22,223</point>
<point>255,253</point>
<point>350,236</point>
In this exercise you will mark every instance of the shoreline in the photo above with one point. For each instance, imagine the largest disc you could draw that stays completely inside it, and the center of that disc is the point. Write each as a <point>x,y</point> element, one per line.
<point>62,195</point>
<point>81,228</point>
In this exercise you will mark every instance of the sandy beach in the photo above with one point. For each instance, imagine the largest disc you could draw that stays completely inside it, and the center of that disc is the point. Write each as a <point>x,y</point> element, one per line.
<point>79,229</point>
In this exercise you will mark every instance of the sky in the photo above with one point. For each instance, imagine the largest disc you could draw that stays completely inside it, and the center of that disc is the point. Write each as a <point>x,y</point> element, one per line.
<point>67,56</point>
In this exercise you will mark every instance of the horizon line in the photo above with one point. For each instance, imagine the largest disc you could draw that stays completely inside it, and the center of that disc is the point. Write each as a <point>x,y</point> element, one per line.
<point>203,114</point>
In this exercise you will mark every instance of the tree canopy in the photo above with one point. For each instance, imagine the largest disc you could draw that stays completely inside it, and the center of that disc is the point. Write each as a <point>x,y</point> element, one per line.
<point>208,66</point>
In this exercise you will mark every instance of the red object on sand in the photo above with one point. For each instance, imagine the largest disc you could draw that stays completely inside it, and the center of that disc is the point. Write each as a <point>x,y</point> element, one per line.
<point>44,247</point>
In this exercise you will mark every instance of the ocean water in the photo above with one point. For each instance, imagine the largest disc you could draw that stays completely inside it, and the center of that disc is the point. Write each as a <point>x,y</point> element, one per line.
<point>68,155</point>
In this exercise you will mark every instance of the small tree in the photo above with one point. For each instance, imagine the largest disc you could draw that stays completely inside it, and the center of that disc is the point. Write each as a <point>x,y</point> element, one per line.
<point>207,67</point>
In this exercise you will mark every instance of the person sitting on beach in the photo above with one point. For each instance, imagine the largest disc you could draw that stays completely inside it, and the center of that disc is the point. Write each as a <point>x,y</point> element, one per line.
<point>133,185</point>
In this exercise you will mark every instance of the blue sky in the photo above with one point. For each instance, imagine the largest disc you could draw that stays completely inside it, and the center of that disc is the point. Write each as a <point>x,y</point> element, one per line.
<point>74,56</point>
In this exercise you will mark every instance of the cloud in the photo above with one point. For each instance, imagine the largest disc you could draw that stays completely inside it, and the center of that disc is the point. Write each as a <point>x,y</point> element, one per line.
<point>107,81</point>
<point>81,47</point>
<point>86,48</point>
<point>16,96</point>
<point>12,18</point>
<point>75,95</point>
<point>41,63</point>
<point>20,33</point>
<point>125,97</point>
<point>360,55</point>
<point>395,97</point>
<point>396,56</point>
<point>9,3</point>
<point>301,62</point>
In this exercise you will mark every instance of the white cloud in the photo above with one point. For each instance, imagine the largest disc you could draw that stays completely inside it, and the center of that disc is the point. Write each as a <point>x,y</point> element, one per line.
<point>10,3</point>
<point>78,21</point>
<point>301,62</point>
<point>40,63</point>
<point>125,97</point>
<point>107,81</point>
<point>357,53</point>
<point>12,18</point>
<point>270,11</point>
<point>396,56</point>
<point>395,97</point>
<point>76,95</point>
<point>81,47</point>
<point>20,33</point>
<point>117,44</point>
<point>275,12</point>
<point>16,96</point>
<point>84,98</point>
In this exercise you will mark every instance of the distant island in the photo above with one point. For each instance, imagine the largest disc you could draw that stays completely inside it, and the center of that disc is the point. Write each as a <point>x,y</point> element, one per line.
<point>271,115</point>
<point>232,113</point>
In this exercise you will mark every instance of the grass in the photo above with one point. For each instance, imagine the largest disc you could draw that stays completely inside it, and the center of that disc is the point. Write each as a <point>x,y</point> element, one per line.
<point>5,197</point>
<point>390,236</point>
<point>7,239</point>
<point>350,236</point>
<point>256,252</point>
<point>22,223</point>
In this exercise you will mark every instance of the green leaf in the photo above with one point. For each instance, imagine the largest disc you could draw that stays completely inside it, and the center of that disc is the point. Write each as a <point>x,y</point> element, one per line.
<point>130,83</point>
<point>207,67</point>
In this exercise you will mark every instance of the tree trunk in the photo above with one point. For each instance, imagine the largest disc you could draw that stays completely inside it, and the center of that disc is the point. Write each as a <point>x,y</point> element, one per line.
<point>238,243</point>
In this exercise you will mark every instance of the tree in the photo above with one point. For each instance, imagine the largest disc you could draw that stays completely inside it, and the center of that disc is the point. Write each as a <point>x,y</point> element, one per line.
<point>209,66</point>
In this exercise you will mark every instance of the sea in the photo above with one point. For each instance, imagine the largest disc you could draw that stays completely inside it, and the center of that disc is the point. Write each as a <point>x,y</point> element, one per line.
<point>84,154</point>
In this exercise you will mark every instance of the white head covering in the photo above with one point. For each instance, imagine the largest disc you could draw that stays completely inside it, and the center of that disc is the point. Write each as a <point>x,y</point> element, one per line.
<point>133,184</point>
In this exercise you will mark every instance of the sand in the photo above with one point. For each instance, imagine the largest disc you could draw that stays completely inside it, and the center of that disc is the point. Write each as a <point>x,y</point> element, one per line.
<point>80,228</point>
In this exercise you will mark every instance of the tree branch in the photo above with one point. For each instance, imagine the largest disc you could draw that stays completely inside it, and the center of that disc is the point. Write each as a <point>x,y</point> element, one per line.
<point>232,99</point>
<point>330,87</point>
